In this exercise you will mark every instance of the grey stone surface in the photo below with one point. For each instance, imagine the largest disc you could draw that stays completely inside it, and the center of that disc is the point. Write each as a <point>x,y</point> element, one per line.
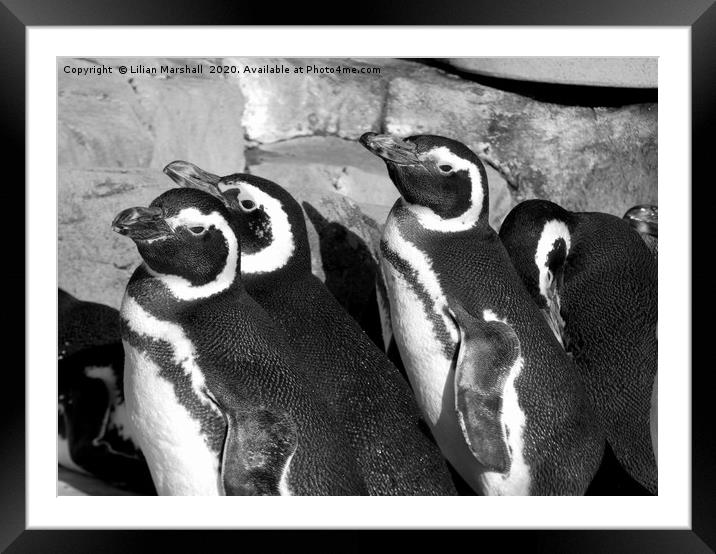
<point>94,262</point>
<point>145,120</point>
<point>99,121</point>
<point>284,106</point>
<point>584,158</point>
<point>606,72</point>
<point>602,159</point>
<point>116,61</point>
<point>196,119</point>
<point>312,166</point>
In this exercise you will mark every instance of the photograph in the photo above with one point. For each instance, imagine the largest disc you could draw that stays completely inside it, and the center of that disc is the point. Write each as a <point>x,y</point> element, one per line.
<point>341,276</point>
<point>380,269</point>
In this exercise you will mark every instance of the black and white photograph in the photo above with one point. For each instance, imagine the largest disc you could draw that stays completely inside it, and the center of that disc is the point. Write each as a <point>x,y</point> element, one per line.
<point>357,276</point>
<point>380,269</point>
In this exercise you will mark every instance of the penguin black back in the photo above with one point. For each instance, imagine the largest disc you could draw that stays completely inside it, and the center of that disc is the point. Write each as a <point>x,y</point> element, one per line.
<point>365,391</point>
<point>237,416</point>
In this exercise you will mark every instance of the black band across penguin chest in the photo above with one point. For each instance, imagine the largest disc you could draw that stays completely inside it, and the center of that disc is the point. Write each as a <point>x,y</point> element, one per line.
<point>163,353</point>
<point>433,312</point>
<point>163,333</point>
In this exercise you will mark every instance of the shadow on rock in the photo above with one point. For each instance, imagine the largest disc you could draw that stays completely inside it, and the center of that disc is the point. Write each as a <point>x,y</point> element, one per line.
<point>351,269</point>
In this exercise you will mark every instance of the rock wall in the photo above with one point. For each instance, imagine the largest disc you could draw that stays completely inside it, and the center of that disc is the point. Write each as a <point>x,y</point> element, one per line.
<point>116,132</point>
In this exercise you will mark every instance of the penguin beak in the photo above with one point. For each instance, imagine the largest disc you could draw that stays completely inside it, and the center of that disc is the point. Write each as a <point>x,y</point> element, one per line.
<point>186,174</point>
<point>390,148</point>
<point>142,223</point>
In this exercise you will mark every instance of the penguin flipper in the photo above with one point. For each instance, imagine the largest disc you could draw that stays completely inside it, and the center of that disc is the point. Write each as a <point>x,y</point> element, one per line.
<point>487,352</point>
<point>257,450</point>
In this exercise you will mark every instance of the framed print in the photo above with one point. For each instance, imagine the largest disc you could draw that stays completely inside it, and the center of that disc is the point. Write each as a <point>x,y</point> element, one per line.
<point>130,112</point>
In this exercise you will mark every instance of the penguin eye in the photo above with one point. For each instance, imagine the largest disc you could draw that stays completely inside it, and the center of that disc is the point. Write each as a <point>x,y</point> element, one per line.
<point>445,168</point>
<point>198,230</point>
<point>248,204</point>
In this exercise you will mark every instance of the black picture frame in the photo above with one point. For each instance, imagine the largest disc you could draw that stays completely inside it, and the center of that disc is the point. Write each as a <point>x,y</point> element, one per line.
<point>699,15</point>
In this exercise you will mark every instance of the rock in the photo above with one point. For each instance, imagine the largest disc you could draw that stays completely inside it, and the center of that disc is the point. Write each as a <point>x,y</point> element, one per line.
<point>145,120</point>
<point>194,118</point>
<point>600,159</point>
<point>604,72</point>
<point>96,263</point>
<point>64,489</point>
<point>99,121</point>
<point>326,164</point>
<point>159,62</point>
<point>299,103</point>
<point>501,200</point>
<point>312,166</point>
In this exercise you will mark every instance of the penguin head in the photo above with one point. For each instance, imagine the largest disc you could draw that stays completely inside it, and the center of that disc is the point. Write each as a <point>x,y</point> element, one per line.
<point>441,179</point>
<point>644,218</point>
<point>273,229</point>
<point>537,236</point>
<point>187,238</point>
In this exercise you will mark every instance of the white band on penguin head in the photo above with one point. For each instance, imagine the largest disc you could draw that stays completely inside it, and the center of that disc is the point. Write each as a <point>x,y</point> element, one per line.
<point>277,254</point>
<point>552,231</point>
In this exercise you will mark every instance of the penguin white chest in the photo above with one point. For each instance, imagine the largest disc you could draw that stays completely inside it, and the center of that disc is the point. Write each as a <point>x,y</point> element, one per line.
<point>423,354</point>
<point>424,332</point>
<point>427,338</point>
<point>429,367</point>
<point>179,457</point>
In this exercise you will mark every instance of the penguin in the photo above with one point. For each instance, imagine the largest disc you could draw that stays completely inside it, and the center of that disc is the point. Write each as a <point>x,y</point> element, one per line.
<point>216,396</point>
<point>93,436</point>
<point>499,393</point>
<point>366,393</point>
<point>645,219</point>
<point>596,281</point>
